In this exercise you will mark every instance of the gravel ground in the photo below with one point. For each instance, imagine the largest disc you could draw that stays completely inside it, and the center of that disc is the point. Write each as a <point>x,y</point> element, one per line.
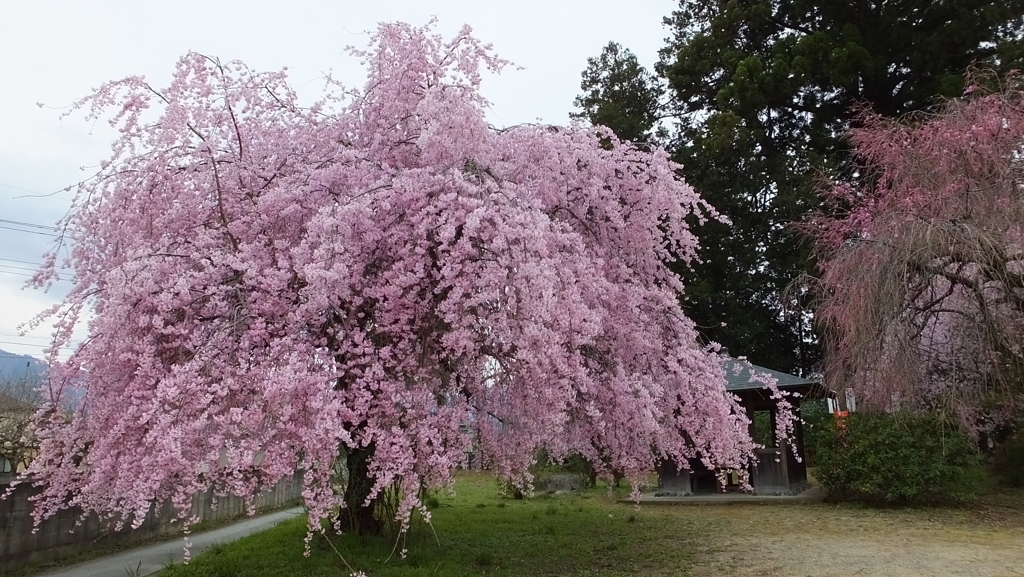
<point>830,540</point>
<point>894,555</point>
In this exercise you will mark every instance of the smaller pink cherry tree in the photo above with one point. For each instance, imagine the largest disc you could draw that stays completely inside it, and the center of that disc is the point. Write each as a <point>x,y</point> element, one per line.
<point>379,282</point>
<point>922,262</point>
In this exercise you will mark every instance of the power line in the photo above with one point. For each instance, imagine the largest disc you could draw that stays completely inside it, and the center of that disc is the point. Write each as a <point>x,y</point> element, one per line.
<point>29,224</point>
<point>22,344</point>
<point>47,279</point>
<point>3,334</point>
<point>74,342</point>
<point>35,265</point>
<point>42,227</point>
<point>29,231</point>
<point>21,261</point>
<point>17,273</point>
<point>5,185</point>
<point>11,266</point>
<point>68,346</point>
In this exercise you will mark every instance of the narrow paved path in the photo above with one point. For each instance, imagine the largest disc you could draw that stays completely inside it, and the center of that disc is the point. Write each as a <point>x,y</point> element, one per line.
<point>152,558</point>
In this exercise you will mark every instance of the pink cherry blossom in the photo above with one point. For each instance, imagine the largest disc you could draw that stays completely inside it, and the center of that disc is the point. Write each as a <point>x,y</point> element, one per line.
<point>273,284</point>
<point>922,259</point>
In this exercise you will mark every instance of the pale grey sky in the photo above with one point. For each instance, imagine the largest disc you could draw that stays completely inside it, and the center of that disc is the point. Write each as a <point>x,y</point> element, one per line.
<point>54,51</point>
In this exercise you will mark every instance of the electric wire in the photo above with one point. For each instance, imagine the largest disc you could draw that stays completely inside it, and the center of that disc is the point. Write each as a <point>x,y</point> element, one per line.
<point>28,224</point>
<point>40,233</point>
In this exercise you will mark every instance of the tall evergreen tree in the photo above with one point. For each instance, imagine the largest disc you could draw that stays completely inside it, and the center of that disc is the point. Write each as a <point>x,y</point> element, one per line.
<point>763,90</point>
<point>618,92</point>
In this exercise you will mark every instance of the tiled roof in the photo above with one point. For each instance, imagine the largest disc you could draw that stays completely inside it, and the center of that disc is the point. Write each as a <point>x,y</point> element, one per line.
<point>737,376</point>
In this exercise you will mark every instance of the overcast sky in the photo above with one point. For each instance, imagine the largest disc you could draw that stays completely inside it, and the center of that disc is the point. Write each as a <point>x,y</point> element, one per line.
<point>54,52</point>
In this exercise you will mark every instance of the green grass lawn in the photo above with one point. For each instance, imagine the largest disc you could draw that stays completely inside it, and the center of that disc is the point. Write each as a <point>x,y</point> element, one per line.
<point>478,532</point>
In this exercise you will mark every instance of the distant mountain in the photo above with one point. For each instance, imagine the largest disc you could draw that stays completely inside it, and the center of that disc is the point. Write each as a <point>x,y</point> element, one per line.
<point>13,365</point>
<point>20,374</point>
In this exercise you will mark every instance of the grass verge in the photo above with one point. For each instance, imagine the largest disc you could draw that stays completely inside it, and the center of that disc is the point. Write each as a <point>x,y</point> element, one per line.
<point>112,547</point>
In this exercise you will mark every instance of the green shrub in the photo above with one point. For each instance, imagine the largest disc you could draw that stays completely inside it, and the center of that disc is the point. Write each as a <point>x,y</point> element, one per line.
<point>1009,462</point>
<point>431,502</point>
<point>817,419</point>
<point>579,465</point>
<point>897,459</point>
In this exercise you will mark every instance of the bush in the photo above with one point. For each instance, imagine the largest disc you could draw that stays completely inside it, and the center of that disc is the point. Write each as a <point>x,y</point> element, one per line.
<point>897,459</point>
<point>574,464</point>
<point>1009,462</point>
<point>817,419</point>
<point>579,465</point>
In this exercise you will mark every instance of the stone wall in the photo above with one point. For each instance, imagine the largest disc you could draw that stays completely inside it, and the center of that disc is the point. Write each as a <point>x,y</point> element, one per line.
<point>59,537</point>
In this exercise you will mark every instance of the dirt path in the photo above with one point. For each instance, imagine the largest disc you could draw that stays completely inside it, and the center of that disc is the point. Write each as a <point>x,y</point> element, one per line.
<point>896,556</point>
<point>829,540</point>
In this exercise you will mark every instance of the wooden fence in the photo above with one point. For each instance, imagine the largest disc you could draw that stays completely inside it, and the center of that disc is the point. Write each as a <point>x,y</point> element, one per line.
<point>63,535</point>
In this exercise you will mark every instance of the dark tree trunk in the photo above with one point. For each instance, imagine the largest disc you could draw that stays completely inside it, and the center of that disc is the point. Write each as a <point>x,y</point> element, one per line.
<point>617,477</point>
<point>357,516</point>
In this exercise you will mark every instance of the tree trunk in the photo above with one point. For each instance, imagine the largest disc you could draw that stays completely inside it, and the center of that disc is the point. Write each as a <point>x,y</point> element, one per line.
<point>357,516</point>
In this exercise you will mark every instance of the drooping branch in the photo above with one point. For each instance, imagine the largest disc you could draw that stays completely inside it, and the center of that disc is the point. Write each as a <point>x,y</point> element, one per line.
<point>923,272</point>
